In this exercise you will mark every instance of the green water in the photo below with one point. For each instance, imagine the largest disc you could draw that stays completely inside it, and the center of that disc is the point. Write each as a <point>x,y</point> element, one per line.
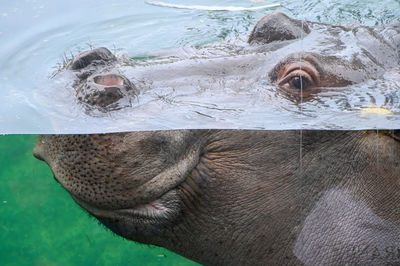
<point>41,225</point>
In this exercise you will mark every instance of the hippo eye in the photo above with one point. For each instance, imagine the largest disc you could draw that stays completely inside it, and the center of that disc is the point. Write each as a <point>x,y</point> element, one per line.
<point>299,82</point>
<point>297,77</point>
<point>296,80</point>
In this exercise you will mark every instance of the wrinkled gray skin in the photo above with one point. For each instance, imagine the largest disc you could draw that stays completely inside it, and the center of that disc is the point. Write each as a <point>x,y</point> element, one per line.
<point>237,197</point>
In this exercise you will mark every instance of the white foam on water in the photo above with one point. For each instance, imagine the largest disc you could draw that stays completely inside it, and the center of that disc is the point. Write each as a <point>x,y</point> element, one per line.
<point>211,8</point>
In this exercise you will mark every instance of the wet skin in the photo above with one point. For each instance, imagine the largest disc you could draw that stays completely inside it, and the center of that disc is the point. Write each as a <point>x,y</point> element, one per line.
<point>245,197</point>
<point>300,61</point>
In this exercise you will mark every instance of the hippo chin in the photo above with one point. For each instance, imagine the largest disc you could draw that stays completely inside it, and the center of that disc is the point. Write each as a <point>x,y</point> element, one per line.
<point>245,197</point>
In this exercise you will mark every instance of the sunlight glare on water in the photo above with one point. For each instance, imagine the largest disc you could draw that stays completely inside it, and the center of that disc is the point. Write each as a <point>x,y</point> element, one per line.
<point>35,36</point>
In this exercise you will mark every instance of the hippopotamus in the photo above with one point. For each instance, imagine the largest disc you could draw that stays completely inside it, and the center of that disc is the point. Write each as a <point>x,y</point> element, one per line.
<point>244,197</point>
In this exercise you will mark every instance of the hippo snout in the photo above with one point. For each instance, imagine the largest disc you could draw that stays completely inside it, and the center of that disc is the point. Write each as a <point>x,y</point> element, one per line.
<point>98,86</point>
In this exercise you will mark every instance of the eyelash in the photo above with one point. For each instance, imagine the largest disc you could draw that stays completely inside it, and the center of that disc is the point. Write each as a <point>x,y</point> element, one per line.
<point>297,73</point>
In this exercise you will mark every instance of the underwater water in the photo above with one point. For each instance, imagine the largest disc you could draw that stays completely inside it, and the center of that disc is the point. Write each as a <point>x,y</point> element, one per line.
<point>39,222</point>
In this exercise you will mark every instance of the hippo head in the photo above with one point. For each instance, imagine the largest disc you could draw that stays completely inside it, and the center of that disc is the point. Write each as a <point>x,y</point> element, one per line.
<point>245,197</point>
<point>300,60</point>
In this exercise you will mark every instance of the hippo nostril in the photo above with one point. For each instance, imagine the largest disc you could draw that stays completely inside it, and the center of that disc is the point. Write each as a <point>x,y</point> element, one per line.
<point>109,80</point>
<point>107,92</point>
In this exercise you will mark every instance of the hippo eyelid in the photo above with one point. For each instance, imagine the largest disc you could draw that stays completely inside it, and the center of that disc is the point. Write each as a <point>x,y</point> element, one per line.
<point>308,63</point>
<point>303,69</point>
<point>296,73</point>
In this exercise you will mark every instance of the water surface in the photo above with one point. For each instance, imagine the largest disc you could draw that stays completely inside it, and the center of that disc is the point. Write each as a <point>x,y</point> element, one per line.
<point>37,36</point>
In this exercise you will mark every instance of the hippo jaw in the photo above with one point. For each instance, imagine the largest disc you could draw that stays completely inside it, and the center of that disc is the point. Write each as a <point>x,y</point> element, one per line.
<point>147,201</point>
<point>141,221</point>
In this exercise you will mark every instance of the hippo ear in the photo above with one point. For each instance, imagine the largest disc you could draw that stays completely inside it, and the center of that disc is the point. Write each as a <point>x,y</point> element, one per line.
<point>277,27</point>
